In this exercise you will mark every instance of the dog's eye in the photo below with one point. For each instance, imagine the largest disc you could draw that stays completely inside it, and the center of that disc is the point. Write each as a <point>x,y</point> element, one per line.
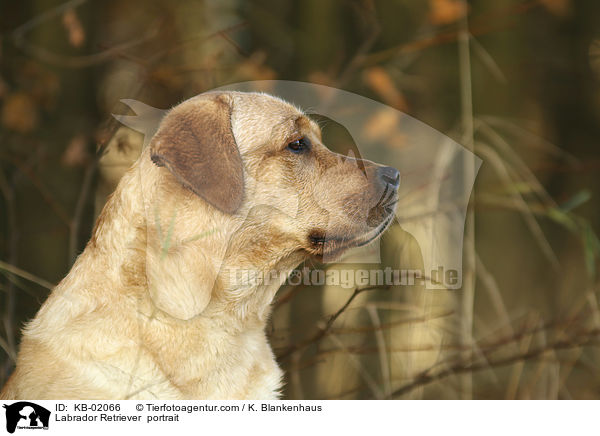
<point>299,145</point>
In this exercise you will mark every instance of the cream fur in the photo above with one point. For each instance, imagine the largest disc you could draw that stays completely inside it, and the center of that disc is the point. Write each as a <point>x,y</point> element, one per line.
<point>148,309</point>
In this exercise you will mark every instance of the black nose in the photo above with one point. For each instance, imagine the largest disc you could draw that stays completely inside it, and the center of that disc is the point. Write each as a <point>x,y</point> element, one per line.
<point>389,175</point>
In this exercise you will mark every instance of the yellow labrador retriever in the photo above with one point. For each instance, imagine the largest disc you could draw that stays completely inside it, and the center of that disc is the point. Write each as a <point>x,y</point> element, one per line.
<point>155,307</point>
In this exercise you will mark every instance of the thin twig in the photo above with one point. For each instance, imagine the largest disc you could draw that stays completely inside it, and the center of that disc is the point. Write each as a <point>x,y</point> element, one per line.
<point>27,276</point>
<point>363,49</point>
<point>324,329</point>
<point>8,191</point>
<point>79,207</point>
<point>467,295</point>
<point>447,36</point>
<point>426,378</point>
<point>70,61</point>
<point>384,360</point>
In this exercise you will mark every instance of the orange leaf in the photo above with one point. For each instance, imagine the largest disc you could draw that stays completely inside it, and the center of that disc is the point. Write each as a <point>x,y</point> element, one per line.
<point>74,29</point>
<point>76,153</point>
<point>19,113</point>
<point>446,11</point>
<point>560,8</point>
<point>380,81</point>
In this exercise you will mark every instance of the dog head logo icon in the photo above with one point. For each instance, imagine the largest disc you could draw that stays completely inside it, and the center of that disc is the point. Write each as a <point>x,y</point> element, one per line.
<point>26,415</point>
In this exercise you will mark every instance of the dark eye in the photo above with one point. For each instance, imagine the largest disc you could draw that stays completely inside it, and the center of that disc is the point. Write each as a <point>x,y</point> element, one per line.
<point>299,145</point>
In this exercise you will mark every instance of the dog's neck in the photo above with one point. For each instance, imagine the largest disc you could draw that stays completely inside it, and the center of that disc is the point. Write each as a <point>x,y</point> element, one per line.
<point>125,236</point>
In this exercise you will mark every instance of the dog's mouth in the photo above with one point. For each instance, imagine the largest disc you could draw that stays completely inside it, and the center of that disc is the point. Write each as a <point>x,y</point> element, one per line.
<point>324,246</point>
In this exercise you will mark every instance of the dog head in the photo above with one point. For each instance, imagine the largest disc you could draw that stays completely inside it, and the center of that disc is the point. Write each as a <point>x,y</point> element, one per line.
<point>253,170</point>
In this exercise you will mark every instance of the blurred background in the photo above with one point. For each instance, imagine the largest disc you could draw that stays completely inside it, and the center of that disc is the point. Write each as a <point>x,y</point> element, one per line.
<point>516,81</point>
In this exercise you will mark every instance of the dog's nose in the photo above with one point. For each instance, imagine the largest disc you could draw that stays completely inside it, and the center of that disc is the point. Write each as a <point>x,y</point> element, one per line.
<point>389,175</point>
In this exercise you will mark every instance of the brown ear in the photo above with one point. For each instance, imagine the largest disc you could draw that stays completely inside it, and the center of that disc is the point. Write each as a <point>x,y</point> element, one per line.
<point>196,144</point>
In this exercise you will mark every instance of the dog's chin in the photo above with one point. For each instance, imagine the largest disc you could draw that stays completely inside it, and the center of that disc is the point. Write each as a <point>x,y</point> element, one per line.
<point>331,248</point>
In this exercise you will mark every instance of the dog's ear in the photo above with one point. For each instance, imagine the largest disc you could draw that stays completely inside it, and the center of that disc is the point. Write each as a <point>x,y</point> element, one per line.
<point>196,144</point>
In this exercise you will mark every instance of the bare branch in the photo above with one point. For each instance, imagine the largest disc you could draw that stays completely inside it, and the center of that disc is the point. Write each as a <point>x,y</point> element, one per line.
<point>425,378</point>
<point>323,330</point>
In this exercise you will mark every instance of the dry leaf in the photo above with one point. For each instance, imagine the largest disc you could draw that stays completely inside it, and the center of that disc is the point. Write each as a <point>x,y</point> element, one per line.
<point>75,32</point>
<point>328,90</point>
<point>168,76</point>
<point>397,140</point>
<point>380,81</point>
<point>560,8</point>
<point>594,53</point>
<point>76,153</point>
<point>19,113</point>
<point>254,68</point>
<point>3,88</point>
<point>443,12</point>
<point>321,78</point>
<point>41,83</point>
<point>382,125</point>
